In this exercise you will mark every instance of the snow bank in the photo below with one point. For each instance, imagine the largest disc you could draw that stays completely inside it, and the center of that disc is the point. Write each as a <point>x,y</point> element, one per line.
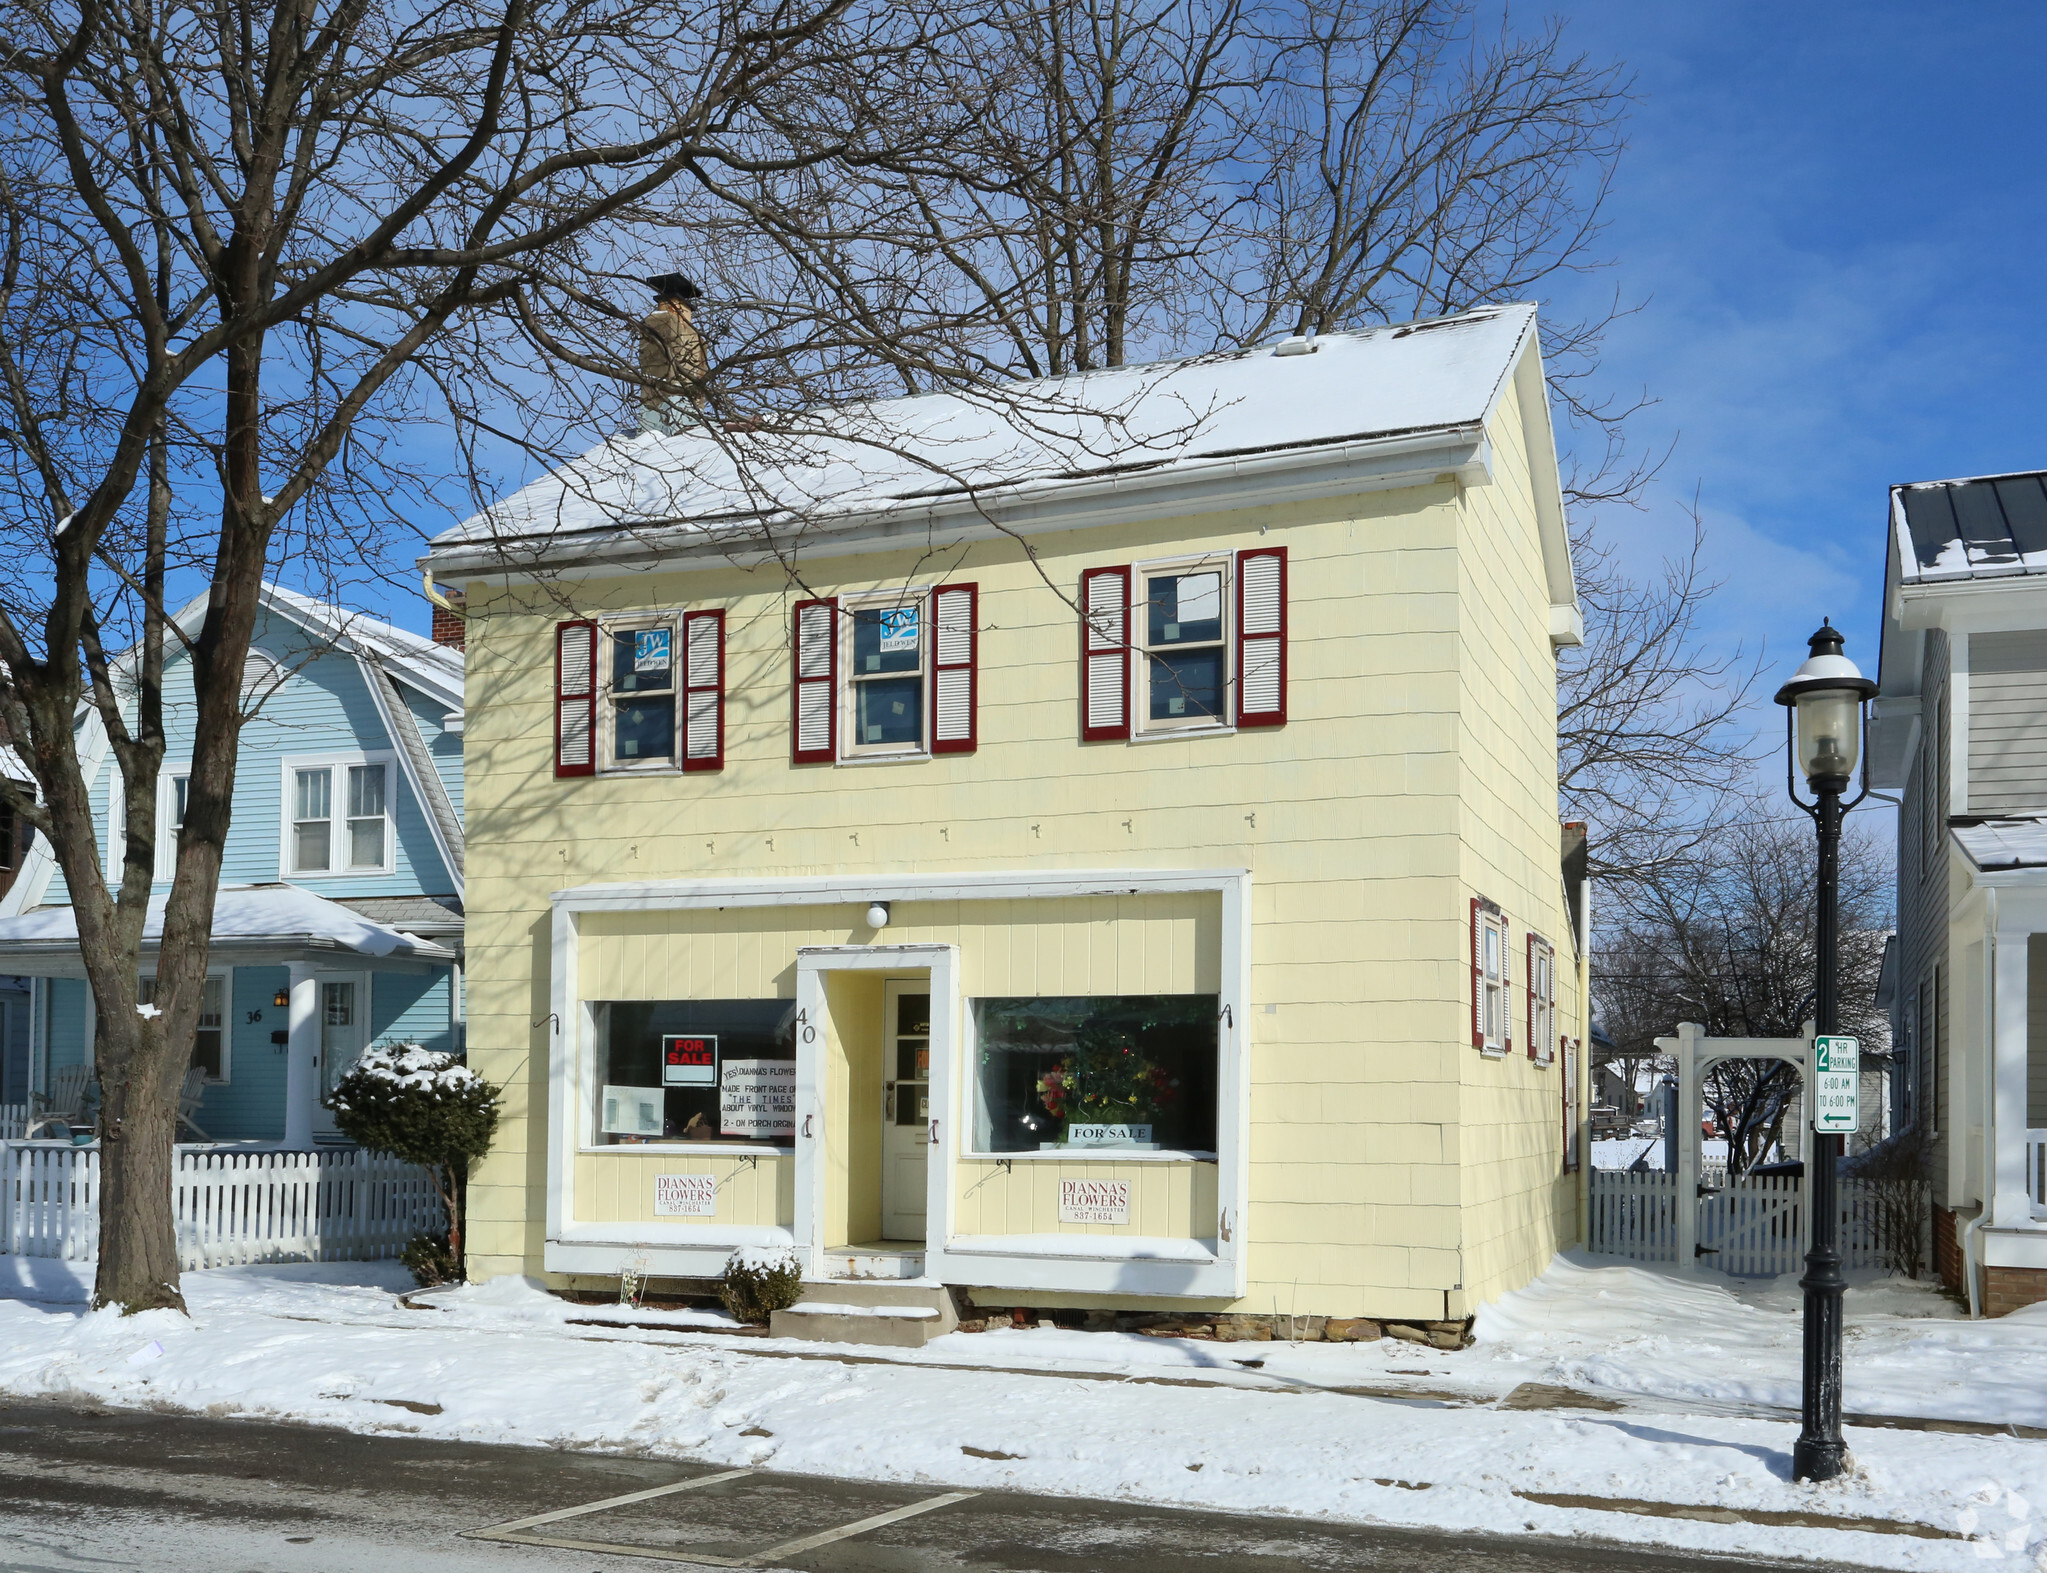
<point>1415,1439</point>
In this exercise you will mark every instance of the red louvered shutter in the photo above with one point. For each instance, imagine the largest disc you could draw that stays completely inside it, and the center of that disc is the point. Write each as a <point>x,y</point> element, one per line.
<point>814,688</point>
<point>1477,977</point>
<point>575,699</point>
<point>1261,637</point>
<point>703,690</point>
<point>1506,987</point>
<point>1534,1011</point>
<point>1104,654</point>
<point>955,669</point>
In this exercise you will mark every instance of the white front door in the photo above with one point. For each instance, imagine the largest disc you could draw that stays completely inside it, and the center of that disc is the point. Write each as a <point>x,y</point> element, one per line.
<point>344,1034</point>
<point>906,1107</point>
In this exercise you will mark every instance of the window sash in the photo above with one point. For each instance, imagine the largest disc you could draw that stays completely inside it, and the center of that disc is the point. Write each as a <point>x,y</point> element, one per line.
<point>312,825</point>
<point>368,816</point>
<point>209,1038</point>
<point>891,684</point>
<point>641,691</point>
<point>1165,660</point>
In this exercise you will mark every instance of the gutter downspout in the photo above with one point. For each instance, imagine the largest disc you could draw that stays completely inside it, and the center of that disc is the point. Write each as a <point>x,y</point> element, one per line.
<point>440,600</point>
<point>1975,1224</point>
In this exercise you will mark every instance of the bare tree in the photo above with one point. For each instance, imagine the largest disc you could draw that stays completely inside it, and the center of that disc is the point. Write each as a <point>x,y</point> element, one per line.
<point>1730,942</point>
<point>1652,749</point>
<point>243,245</point>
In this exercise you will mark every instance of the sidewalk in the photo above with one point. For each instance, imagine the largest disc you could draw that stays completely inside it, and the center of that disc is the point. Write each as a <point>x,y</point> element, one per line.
<point>1678,1373</point>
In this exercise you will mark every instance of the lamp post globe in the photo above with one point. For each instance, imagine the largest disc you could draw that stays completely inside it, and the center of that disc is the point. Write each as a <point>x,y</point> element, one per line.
<point>1823,705</point>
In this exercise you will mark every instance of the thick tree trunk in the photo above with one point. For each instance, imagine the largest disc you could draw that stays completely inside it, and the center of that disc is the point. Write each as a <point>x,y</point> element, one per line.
<point>138,1248</point>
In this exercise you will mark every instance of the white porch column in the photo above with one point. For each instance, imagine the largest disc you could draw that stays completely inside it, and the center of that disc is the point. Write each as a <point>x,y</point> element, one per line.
<point>302,1063</point>
<point>2010,1204</point>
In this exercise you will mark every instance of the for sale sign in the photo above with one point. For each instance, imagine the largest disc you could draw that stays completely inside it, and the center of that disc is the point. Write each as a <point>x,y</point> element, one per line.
<point>689,1061</point>
<point>1836,1085</point>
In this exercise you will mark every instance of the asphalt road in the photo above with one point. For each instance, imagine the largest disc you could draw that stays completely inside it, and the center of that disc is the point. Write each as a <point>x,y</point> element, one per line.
<point>87,1490</point>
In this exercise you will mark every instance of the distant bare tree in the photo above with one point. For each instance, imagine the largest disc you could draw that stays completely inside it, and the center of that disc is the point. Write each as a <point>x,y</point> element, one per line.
<point>1730,942</point>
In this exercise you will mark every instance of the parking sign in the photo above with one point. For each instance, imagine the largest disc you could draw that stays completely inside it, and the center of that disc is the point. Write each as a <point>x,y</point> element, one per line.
<point>1836,1085</point>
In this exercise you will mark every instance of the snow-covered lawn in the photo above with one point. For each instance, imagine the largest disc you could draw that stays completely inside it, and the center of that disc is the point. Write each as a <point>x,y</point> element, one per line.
<point>1690,1366</point>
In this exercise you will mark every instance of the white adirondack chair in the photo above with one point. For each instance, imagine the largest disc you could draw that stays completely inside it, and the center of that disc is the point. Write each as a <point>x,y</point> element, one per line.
<point>189,1095</point>
<point>64,1103</point>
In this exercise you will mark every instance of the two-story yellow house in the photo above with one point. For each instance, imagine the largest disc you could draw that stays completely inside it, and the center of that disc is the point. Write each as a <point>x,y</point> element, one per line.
<point>1093,848</point>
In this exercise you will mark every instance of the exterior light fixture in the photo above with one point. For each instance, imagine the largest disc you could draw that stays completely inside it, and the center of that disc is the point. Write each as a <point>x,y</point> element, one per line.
<point>281,999</point>
<point>877,915</point>
<point>1823,725</point>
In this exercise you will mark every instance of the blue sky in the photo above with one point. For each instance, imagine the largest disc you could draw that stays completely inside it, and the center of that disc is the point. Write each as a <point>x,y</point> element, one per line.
<point>1824,211</point>
<point>1834,216</point>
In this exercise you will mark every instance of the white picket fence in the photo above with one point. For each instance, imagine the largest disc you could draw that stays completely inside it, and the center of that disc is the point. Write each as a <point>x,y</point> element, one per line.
<point>13,1121</point>
<point>230,1207</point>
<point>1752,1227</point>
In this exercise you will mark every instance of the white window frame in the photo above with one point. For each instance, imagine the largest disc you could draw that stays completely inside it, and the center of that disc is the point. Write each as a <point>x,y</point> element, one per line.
<point>1542,1001</point>
<point>851,749</point>
<point>338,819</point>
<point>166,830</point>
<point>1142,726</point>
<point>608,700</point>
<point>1495,984</point>
<point>225,977</point>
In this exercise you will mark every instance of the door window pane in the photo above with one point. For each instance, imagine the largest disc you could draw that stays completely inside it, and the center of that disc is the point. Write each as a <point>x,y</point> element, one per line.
<point>695,1071</point>
<point>366,818</point>
<point>313,822</point>
<point>1134,1072</point>
<point>339,1047</point>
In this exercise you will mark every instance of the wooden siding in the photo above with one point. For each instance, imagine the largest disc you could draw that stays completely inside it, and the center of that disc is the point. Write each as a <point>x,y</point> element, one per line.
<point>2008,723</point>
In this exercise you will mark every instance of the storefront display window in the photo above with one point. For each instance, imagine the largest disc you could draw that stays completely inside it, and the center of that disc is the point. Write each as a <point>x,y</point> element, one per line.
<point>1129,1073</point>
<point>695,1071</point>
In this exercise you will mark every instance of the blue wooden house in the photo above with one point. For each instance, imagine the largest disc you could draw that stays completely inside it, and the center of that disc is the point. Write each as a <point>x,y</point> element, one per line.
<point>339,918</point>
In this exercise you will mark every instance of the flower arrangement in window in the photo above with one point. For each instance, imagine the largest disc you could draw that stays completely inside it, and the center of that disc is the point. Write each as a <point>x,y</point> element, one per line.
<point>1106,1080</point>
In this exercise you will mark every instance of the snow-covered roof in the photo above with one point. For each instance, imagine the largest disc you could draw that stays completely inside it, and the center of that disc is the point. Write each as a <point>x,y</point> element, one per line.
<point>266,918</point>
<point>1986,526</point>
<point>1425,385</point>
<point>2005,843</point>
<point>434,669</point>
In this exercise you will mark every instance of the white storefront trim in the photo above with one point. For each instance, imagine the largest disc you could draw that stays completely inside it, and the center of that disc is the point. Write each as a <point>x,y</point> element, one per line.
<point>1092,1264</point>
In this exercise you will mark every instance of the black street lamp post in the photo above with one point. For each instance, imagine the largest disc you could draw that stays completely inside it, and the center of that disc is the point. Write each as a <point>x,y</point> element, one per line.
<point>1823,728</point>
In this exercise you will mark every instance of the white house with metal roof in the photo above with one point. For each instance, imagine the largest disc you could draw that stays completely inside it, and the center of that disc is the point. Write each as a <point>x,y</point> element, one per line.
<point>1961,735</point>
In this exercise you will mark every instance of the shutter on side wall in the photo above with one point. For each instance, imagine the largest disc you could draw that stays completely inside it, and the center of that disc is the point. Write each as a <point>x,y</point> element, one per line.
<point>1506,987</point>
<point>1104,654</point>
<point>1534,1048</point>
<point>955,670</point>
<point>703,692</point>
<point>814,689</point>
<point>575,699</point>
<point>1261,637</point>
<point>1477,977</point>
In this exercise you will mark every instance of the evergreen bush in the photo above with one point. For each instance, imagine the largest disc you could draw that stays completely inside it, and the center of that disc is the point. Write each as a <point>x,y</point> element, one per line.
<point>427,1108</point>
<point>759,1282</point>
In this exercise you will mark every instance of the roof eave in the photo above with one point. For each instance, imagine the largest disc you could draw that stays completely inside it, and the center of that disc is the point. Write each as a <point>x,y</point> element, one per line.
<point>1351,465</point>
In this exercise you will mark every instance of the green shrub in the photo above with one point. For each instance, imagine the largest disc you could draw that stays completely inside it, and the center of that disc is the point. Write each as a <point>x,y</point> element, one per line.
<point>760,1281</point>
<point>431,1259</point>
<point>427,1108</point>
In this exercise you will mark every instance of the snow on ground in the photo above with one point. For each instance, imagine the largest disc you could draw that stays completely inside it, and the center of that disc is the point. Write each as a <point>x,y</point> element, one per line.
<point>329,1344</point>
<point>1620,1152</point>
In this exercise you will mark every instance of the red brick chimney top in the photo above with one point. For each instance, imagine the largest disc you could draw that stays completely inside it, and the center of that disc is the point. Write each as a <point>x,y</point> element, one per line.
<point>449,628</point>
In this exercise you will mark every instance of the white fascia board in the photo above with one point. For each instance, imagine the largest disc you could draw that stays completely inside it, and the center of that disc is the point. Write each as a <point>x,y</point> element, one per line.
<point>1200,486</point>
<point>996,885</point>
<point>2001,604</point>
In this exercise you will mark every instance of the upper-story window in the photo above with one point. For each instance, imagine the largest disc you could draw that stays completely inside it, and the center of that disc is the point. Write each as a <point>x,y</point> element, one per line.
<point>643,693</point>
<point>337,816</point>
<point>1193,644</point>
<point>1492,980</point>
<point>639,693</point>
<point>1542,1000</point>
<point>885,675</point>
<point>174,787</point>
<point>1183,632</point>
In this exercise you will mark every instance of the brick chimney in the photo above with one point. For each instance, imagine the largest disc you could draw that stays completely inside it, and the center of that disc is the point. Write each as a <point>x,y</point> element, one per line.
<point>672,353</point>
<point>449,627</point>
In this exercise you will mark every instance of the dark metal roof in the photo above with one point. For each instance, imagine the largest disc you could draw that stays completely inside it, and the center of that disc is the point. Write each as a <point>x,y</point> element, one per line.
<point>1997,522</point>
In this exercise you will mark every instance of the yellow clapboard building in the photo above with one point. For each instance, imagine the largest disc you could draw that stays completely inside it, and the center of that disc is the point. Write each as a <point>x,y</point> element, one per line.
<point>1092,847</point>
